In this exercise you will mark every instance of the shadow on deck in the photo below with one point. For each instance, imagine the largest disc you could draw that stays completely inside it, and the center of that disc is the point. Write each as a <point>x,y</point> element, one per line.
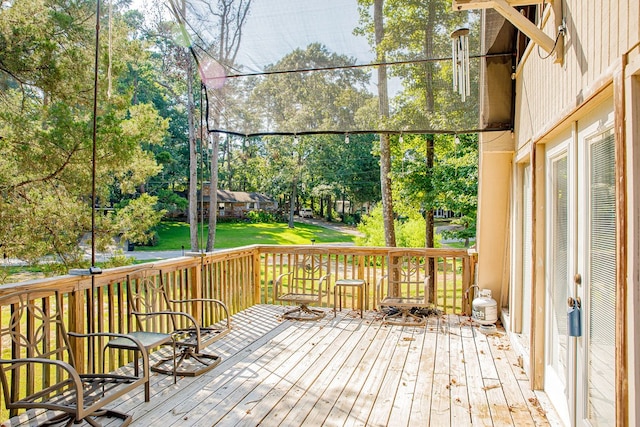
<point>347,371</point>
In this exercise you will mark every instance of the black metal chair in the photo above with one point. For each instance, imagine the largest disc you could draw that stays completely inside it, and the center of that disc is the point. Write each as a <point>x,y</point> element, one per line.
<point>42,359</point>
<point>150,304</point>
<point>306,283</point>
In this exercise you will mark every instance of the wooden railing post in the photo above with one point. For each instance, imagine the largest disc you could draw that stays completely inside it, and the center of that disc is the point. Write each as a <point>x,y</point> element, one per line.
<point>77,323</point>
<point>256,277</point>
<point>195,284</point>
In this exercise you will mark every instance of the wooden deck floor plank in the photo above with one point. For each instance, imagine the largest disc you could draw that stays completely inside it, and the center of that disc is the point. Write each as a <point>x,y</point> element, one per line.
<point>334,410</point>
<point>421,404</point>
<point>460,413</point>
<point>407,388</point>
<point>498,407</point>
<point>321,388</point>
<point>518,406</point>
<point>299,381</point>
<point>345,372</point>
<point>250,329</point>
<point>478,404</point>
<point>364,403</point>
<point>229,375</point>
<point>441,392</point>
<point>353,386</point>
<point>350,407</point>
<point>387,393</point>
<point>265,376</point>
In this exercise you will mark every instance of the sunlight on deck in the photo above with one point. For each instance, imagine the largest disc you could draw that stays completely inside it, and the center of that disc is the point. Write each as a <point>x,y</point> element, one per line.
<point>347,371</point>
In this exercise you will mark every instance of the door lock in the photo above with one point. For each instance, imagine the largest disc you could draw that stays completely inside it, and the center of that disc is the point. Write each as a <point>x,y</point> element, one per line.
<point>574,317</point>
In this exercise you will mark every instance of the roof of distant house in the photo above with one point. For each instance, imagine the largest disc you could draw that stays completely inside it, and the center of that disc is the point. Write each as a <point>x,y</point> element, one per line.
<point>225,196</point>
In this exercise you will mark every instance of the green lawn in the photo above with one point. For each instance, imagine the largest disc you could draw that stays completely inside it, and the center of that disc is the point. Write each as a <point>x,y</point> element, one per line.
<point>175,235</point>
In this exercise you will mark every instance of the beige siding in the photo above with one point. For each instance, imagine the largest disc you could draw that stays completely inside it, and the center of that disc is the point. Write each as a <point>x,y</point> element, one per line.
<point>599,33</point>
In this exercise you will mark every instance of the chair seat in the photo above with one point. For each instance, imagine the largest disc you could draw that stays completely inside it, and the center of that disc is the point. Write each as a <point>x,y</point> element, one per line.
<point>404,301</point>
<point>148,339</point>
<point>299,298</point>
<point>207,336</point>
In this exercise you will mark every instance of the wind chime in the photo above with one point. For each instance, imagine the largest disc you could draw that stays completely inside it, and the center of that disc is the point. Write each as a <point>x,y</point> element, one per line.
<point>460,55</point>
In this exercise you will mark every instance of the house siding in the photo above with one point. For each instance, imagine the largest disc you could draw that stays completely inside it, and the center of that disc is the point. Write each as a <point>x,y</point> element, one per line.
<point>599,33</point>
<point>600,69</point>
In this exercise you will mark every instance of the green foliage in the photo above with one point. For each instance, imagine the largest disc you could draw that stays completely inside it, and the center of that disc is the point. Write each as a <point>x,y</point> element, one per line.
<point>46,114</point>
<point>451,185</point>
<point>137,219</point>
<point>261,216</point>
<point>171,202</point>
<point>410,231</point>
<point>118,259</point>
<point>372,228</point>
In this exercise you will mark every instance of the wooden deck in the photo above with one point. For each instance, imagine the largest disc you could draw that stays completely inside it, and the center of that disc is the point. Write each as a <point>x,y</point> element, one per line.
<point>347,371</point>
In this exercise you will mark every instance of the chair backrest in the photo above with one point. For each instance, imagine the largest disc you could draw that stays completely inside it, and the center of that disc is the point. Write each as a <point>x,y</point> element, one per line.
<point>407,273</point>
<point>309,267</point>
<point>147,295</point>
<point>35,329</point>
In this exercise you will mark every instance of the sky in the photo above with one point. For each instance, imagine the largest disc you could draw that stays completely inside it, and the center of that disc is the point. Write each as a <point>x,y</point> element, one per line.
<point>275,28</point>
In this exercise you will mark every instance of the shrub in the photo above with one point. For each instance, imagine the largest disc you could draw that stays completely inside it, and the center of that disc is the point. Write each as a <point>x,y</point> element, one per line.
<point>261,216</point>
<point>410,230</point>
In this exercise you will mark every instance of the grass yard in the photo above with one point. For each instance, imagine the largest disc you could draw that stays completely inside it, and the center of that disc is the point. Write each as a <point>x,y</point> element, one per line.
<point>175,235</point>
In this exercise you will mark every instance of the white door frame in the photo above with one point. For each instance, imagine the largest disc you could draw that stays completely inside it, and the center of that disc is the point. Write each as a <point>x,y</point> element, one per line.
<point>560,386</point>
<point>598,122</point>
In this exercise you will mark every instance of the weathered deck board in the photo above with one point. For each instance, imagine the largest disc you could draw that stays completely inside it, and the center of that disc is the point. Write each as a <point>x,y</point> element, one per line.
<point>478,404</point>
<point>346,371</point>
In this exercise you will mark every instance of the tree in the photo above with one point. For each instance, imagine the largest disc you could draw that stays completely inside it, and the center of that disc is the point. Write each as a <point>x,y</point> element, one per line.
<point>46,74</point>
<point>308,101</point>
<point>457,178</point>
<point>136,220</point>
<point>378,30</point>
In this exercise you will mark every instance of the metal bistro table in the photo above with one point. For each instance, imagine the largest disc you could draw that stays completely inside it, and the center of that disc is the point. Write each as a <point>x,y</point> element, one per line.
<point>339,287</point>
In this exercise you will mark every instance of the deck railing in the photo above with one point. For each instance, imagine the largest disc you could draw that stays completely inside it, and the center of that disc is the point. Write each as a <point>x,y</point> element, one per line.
<point>240,277</point>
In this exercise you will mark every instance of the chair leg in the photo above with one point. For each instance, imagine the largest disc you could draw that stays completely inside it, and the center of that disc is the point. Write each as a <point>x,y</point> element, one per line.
<point>69,419</point>
<point>181,365</point>
<point>304,312</point>
<point>126,418</point>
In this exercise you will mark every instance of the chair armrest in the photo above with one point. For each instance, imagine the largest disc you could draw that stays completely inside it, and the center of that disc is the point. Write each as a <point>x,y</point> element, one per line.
<point>203,300</point>
<point>380,280</point>
<point>324,279</point>
<point>378,295</point>
<point>191,319</point>
<point>141,347</point>
<point>74,377</point>
<point>278,283</point>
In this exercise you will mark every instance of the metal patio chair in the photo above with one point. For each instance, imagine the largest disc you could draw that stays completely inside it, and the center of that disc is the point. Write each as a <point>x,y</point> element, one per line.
<point>42,372</point>
<point>307,282</point>
<point>150,304</point>
<point>404,290</point>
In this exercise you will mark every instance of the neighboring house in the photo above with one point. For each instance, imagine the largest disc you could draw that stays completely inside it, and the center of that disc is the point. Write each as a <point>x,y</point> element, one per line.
<point>559,197</point>
<point>236,204</point>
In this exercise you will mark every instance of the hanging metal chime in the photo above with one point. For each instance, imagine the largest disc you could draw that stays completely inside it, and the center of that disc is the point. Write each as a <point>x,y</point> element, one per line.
<point>460,55</point>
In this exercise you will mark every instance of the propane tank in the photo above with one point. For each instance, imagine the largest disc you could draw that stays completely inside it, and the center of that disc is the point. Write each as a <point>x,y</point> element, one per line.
<point>484,309</point>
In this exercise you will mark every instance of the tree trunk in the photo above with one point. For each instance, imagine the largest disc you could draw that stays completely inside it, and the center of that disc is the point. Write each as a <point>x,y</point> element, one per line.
<point>193,158</point>
<point>213,192</point>
<point>385,146</point>
<point>292,200</point>
<point>429,223</point>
